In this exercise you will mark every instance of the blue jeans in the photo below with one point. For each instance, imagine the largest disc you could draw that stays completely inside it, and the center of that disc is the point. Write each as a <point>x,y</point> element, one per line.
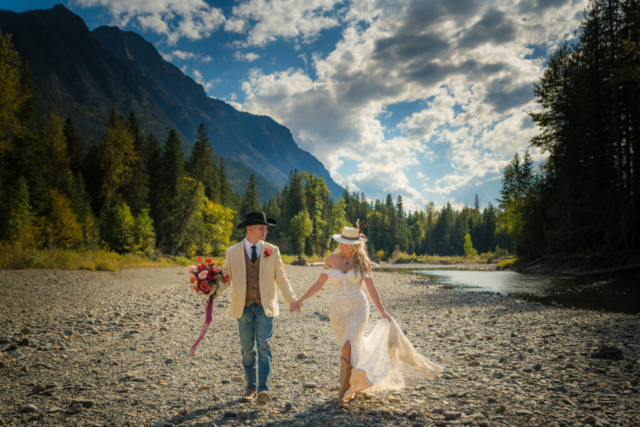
<point>256,327</point>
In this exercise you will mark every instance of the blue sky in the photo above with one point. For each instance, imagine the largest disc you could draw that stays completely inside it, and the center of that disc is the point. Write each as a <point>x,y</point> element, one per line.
<point>428,99</point>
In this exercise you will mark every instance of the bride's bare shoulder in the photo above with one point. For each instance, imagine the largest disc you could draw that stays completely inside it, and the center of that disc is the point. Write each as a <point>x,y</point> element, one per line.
<point>330,260</point>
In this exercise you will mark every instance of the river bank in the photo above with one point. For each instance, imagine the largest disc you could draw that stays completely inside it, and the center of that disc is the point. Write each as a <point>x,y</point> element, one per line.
<point>116,344</point>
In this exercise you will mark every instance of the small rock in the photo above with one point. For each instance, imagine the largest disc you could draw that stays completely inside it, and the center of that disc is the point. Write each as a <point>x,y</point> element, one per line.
<point>24,343</point>
<point>244,414</point>
<point>230,414</point>
<point>537,366</point>
<point>288,407</point>
<point>411,414</point>
<point>38,388</point>
<point>501,410</point>
<point>438,411</point>
<point>302,355</point>
<point>237,379</point>
<point>75,409</point>
<point>86,403</point>
<point>26,409</point>
<point>168,361</point>
<point>310,385</point>
<point>523,412</point>
<point>53,410</point>
<point>26,331</point>
<point>589,420</point>
<point>452,415</point>
<point>206,387</point>
<point>183,412</point>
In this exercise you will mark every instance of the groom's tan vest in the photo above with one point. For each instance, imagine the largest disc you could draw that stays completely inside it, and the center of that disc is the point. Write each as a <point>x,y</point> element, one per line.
<point>270,273</point>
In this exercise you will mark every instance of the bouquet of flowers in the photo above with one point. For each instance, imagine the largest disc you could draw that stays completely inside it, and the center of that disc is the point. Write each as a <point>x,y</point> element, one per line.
<point>206,277</point>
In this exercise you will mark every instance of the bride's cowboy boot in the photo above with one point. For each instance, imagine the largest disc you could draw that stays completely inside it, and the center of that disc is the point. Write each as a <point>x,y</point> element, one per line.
<point>345,374</point>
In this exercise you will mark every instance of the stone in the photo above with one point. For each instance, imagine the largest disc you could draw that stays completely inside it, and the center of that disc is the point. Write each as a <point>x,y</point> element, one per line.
<point>168,361</point>
<point>302,355</point>
<point>74,409</point>
<point>237,379</point>
<point>29,408</point>
<point>38,388</point>
<point>288,407</point>
<point>411,414</point>
<point>24,343</point>
<point>589,420</point>
<point>452,415</point>
<point>86,403</point>
<point>310,384</point>
<point>523,412</point>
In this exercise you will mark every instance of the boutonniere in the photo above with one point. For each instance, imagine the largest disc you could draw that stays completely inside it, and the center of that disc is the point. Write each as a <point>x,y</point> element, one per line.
<point>267,252</point>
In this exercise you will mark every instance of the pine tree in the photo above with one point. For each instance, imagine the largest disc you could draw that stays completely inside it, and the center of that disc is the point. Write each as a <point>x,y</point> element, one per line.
<point>117,159</point>
<point>75,147</point>
<point>14,98</point>
<point>63,228</point>
<point>226,193</point>
<point>201,165</point>
<point>136,191</point>
<point>250,202</point>
<point>153,154</point>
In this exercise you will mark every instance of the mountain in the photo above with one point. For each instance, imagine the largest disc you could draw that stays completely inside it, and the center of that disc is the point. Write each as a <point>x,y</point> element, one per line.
<point>84,74</point>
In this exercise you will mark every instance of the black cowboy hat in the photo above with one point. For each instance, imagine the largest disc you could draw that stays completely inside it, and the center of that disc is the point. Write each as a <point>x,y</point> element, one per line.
<point>255,218</point>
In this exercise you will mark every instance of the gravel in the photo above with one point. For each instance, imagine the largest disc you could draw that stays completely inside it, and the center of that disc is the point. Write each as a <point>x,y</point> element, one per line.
<point>80,348</point>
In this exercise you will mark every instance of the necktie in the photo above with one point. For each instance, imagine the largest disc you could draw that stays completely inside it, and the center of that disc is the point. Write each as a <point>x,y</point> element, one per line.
<point>254,255</point>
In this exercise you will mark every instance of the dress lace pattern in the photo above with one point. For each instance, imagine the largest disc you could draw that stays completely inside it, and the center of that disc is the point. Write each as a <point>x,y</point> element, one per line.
<point>383,360</point>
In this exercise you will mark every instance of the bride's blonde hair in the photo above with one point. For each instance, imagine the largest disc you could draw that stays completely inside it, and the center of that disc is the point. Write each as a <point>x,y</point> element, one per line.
<point>361,261</point>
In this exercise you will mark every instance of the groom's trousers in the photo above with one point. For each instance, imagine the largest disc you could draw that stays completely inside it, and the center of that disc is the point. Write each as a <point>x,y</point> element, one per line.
<point>256,328</point>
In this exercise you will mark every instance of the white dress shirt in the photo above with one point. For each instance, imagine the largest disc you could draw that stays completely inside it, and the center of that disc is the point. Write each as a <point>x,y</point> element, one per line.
<point>247,248</point>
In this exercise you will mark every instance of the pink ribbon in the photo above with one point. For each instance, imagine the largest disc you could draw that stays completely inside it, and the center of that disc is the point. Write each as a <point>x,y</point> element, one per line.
<point>205,327</point>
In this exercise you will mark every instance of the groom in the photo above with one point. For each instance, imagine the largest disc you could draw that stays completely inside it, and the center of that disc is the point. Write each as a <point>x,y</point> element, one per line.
<point>255,269</point>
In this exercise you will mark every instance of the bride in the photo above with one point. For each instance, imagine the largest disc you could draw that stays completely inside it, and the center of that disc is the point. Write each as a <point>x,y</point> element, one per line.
<point>385,358</point>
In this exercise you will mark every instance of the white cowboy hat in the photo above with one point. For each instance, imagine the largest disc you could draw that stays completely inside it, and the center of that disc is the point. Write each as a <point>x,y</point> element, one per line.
<point>350,236</point>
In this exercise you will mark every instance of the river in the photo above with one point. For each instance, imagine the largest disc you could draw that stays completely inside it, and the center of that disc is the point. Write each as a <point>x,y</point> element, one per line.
<point>620,295</point>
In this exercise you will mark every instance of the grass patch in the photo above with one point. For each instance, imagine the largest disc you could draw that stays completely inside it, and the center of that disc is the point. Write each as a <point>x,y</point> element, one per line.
<point>288,259</point>
<point>18,258</point>
<point>507,263</point>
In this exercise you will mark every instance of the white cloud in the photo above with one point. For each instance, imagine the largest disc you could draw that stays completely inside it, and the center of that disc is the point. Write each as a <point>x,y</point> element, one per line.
<point>184,56</point>
<point>175,19</point>
<point>197,76</point>
<point>467,59</point>
<point>266,20</point>
<point>248,57</point>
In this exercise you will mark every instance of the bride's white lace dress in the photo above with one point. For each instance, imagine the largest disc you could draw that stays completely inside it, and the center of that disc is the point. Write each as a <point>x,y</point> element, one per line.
<point>382,360</point>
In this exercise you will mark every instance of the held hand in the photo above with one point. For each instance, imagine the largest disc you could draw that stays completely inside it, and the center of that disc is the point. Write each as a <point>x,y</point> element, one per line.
<point>295,306</point>
<point>385,316</point>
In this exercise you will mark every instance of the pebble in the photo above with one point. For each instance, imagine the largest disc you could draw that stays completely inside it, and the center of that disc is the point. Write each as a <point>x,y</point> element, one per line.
<point>564,367</point>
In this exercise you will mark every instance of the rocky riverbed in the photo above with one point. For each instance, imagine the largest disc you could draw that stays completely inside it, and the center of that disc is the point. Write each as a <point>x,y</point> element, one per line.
<point>111,349</point>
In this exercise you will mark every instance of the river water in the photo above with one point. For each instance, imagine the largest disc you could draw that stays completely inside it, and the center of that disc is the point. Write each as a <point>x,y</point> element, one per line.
<point>620,295</point>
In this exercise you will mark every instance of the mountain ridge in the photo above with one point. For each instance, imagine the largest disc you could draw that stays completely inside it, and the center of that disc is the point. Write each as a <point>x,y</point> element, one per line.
<point>84,74</point>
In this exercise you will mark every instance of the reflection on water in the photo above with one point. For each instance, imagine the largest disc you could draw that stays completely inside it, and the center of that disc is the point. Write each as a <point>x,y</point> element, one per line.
<point>618,295</point>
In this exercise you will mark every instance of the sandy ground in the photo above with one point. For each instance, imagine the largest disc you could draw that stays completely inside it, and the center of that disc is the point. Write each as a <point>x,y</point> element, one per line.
<point>111,349</point>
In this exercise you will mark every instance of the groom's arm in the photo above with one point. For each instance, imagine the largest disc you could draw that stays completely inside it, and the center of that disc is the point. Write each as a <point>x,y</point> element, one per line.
<point>281,280</point>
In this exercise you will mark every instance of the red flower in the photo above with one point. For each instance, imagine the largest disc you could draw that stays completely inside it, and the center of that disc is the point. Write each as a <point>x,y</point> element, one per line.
<point>193,280</point>
<point>204,287</point>
<point>209,260</point>
<point>202,266</point>
<point>198,258</point>
<point>225,278</point>
<point>267,252</point>
<point>211,275</point>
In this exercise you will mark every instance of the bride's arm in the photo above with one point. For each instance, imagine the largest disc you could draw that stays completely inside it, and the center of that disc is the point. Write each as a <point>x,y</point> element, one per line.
<point>314,289</point>
<point>375,296</point>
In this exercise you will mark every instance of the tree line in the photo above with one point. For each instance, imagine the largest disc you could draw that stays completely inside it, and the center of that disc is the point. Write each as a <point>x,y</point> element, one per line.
<point>585,198</point>
<point>133,193</point>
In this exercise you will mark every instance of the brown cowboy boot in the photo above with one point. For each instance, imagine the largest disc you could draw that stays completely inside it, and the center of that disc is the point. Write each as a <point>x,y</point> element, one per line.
<point>345,374</point>
<point>248,396</point>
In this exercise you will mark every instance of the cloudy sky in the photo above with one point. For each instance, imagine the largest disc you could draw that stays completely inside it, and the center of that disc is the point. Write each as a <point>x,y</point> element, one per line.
<point>424,98</point>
